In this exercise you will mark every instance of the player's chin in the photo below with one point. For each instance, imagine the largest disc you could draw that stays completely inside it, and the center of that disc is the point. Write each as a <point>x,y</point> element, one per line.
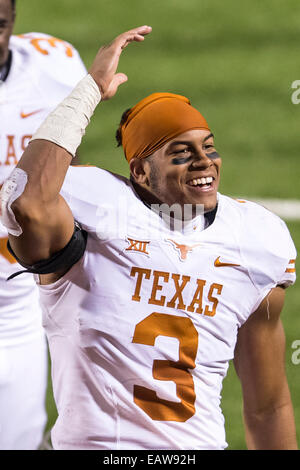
<point>209,204</point>
<point>207,199</point>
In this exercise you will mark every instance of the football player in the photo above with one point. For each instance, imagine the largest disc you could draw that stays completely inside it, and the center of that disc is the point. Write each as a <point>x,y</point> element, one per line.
<point>146,297</point>
<point>36,72</point>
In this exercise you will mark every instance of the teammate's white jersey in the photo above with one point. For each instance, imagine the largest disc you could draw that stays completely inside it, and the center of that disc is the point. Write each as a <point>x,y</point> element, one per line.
<point>43,71</point>
<point>141,329</point>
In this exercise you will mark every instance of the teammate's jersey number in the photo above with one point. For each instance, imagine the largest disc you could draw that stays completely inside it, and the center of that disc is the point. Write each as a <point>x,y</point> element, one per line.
<point>51,41</point>
<point>183,329</point>
<point>4,251</point>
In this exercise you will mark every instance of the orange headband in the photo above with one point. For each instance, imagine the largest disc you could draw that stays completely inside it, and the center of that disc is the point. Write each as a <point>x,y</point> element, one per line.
<point>156,120</point>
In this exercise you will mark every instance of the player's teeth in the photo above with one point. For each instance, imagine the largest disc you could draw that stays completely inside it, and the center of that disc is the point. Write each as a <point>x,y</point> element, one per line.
<point>199,181</point>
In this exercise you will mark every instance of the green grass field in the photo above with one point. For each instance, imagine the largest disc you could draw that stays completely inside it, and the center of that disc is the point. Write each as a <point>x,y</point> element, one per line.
<point>236,62</point>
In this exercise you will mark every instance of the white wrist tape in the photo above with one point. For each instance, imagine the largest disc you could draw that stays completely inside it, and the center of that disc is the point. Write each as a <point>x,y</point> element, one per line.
<point>65,126</point>
<point>12,188</point>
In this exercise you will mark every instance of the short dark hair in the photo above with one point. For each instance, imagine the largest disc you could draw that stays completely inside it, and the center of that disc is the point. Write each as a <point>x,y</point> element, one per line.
<point>119,131</point>
<point>13,4</point>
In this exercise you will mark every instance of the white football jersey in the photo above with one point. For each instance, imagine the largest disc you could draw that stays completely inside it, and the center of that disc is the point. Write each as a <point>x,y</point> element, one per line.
<point>141,329</point>
<point>43,72</point>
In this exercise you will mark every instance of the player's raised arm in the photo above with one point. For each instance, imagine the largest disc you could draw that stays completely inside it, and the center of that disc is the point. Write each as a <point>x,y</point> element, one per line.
<point>39,221</point>
<point>104,67</point>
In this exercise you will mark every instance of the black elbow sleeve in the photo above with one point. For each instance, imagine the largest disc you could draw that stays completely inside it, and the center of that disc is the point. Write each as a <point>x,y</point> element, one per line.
<point>62,260</point>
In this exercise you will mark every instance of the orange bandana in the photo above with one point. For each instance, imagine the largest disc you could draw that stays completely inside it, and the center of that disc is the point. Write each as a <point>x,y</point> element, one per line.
<point>156,120</point>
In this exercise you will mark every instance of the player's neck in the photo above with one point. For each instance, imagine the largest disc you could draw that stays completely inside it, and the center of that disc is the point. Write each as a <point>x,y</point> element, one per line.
<point>146,196</point>
<point>151,201</point>
<point>5,68</point>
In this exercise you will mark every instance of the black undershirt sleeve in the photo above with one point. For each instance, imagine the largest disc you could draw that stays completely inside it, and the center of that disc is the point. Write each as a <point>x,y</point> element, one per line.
<point>62,260</point>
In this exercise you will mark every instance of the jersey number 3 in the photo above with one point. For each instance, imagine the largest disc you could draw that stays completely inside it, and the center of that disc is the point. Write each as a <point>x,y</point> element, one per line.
<point>183,329</point>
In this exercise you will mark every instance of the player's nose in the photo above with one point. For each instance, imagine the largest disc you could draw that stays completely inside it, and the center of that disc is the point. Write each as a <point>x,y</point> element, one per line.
<point>201,160</point>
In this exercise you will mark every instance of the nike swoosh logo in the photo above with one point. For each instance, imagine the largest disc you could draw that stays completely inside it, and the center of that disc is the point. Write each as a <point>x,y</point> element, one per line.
<point>26,115</point>
<point>219,264</point>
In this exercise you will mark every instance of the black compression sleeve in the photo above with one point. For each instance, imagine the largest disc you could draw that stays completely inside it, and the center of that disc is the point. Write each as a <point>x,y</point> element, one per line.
<point>62,260</point>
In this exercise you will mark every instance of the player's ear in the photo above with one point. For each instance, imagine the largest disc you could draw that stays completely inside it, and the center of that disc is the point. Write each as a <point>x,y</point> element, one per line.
<point>137,170</point>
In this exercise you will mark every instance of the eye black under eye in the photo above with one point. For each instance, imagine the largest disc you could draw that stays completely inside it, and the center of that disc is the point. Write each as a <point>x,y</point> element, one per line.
<point>213,155</point>
<point>181,160</point>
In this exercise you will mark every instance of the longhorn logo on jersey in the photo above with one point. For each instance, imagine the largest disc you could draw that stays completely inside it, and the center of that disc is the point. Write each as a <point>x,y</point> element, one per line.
<point>183,250</point>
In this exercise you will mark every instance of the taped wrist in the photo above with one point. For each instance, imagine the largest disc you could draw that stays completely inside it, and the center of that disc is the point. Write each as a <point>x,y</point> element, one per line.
<point>11,190</point>
<point>60,261</point>
<point>65,126</point>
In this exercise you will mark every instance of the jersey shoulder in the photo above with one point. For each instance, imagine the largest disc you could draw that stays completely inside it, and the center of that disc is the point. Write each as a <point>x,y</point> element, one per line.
<point>53,57</point>
<point>257,218</point>
<point>94,195</point>
<point>265,243</point>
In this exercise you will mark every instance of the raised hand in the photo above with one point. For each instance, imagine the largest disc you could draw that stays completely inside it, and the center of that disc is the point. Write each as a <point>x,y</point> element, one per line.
<point>104,67</point>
